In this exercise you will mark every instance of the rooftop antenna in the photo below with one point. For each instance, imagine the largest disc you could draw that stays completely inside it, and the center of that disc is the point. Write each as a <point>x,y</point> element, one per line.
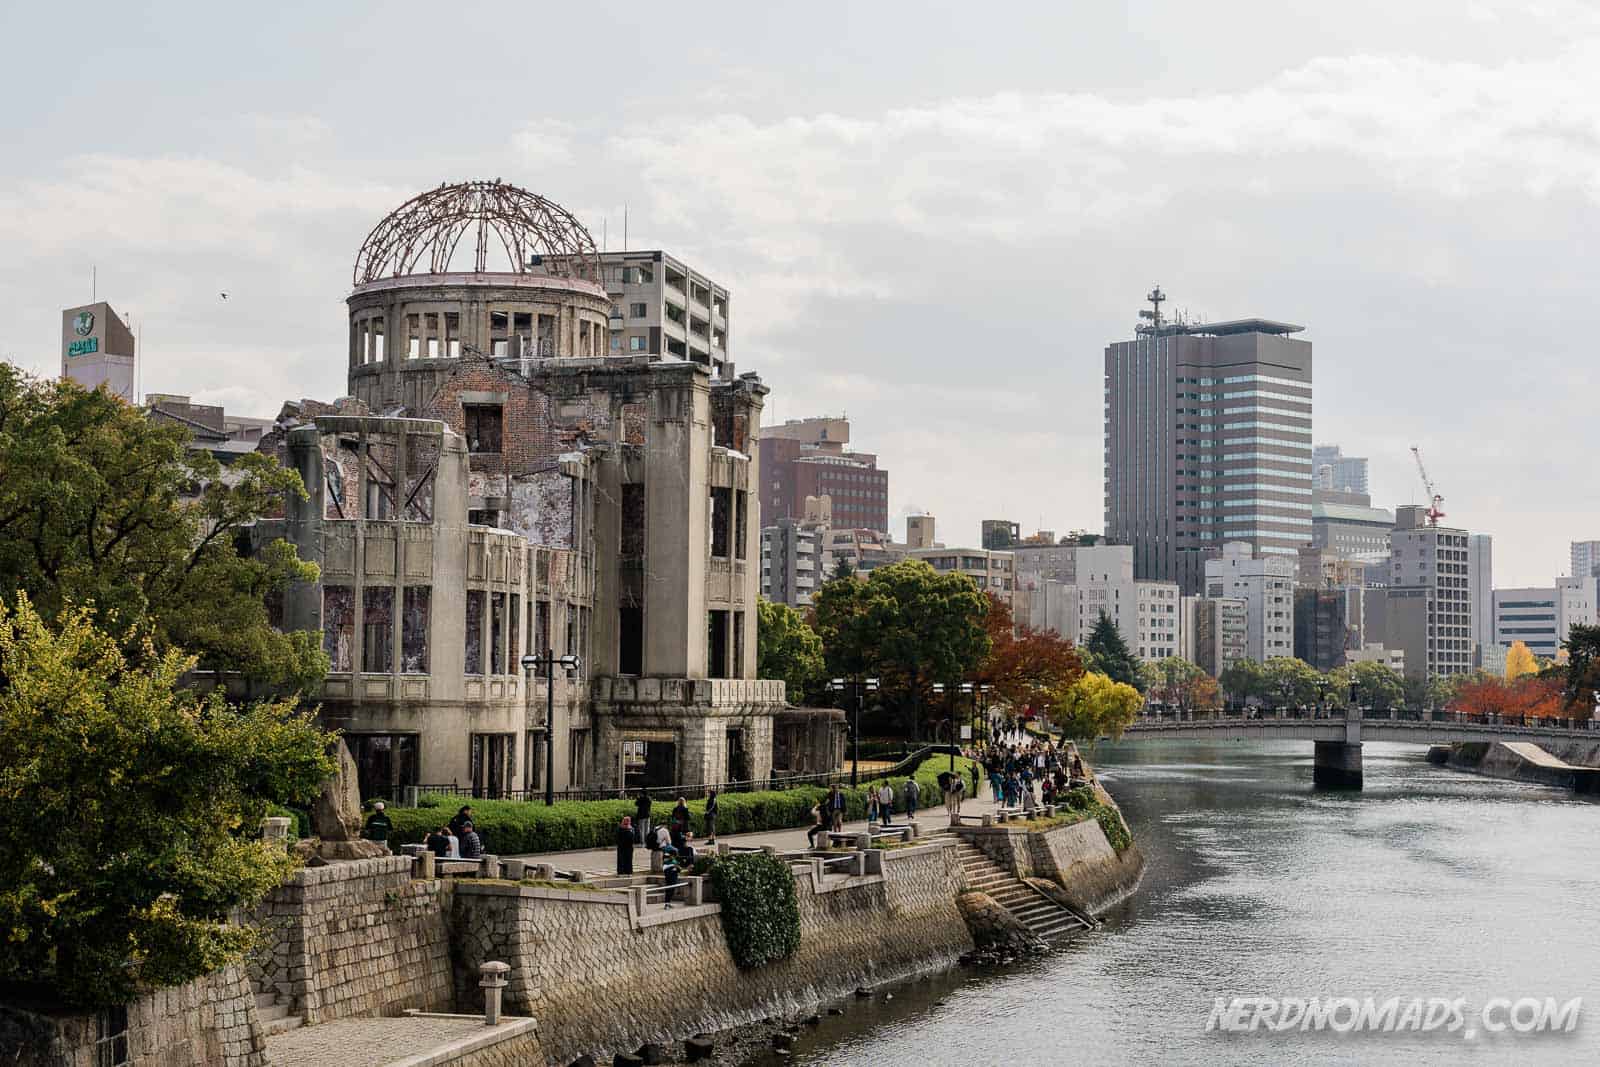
<point>94,283</point>
<point>624,227</point>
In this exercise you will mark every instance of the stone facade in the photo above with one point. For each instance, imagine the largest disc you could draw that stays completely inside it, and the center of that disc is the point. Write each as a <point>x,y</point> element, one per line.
<point>1092,875</point>
<point>578,957</point>
<point>357,938</point>
<point>210,1021</point>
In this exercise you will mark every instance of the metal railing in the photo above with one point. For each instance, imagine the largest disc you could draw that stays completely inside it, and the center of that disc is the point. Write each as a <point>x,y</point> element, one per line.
<point>688,792</point>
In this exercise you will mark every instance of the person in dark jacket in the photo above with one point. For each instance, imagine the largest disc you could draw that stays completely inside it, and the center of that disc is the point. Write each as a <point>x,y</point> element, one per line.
<point>625,846</point>
<point>439,842</point>
<point>680,823</point>
<point>460,819</point>
<point>711,817</point>
<point>471,843</point>
<point>641,818</point>
<point>669,872</point>
<point>378,825</point>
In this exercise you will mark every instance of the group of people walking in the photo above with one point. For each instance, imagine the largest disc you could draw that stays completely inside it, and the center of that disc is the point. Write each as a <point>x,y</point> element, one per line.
<point>1024,774</point>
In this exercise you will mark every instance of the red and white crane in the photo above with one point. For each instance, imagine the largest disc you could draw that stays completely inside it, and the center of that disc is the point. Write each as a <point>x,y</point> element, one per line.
<point>1434,513</point>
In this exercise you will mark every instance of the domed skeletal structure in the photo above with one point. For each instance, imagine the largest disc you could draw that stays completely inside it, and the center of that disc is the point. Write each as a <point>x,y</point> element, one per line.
<point>426,232</point>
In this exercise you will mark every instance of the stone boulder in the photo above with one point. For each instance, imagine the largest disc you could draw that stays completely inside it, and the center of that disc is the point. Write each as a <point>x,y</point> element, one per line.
<point>336,813</point>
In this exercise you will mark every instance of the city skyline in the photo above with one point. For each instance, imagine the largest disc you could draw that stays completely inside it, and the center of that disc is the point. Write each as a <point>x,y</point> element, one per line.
<point>1424,183</point>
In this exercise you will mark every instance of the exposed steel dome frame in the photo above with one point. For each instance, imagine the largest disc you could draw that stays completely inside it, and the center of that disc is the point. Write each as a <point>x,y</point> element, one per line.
<point>538,235</point>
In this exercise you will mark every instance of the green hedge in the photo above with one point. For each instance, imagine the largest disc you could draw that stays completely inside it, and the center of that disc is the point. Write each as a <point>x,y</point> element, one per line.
<point>520,827</point>
<point>760,911</point>
<point>1113,827</point>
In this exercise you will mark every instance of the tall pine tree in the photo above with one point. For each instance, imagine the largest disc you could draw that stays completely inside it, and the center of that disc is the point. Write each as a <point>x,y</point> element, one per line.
<point>1111,655</point>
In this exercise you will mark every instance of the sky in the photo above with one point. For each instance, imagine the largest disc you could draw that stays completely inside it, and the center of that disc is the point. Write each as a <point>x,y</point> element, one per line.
<point>932,217</point>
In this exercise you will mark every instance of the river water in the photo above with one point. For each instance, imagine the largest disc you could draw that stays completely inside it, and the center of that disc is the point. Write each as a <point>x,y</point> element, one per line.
<point>1428,883</point>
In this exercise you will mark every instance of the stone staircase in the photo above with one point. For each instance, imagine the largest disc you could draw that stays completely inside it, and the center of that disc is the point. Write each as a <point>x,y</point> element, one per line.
<point>273,1011</point>
<point>1044,918</point>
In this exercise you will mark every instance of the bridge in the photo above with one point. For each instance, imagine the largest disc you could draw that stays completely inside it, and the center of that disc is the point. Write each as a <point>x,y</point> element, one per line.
<point>1338,735</point>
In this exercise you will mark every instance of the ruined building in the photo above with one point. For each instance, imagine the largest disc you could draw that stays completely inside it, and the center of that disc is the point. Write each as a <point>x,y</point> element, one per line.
<point>502,481</point>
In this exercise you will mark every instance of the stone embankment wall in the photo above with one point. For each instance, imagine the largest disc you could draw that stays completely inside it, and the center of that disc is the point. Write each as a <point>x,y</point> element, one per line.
<point>600,977</point>
<point>356,938</point>
<point>1565,764</point>
<point>211,1021</point>
<point>1092,875</point>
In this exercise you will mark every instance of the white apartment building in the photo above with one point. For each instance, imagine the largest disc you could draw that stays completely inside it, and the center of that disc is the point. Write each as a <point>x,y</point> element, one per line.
<point>1146,613</point>
<point>1541,617</point>
<point>1266,585</point>
<point>1215,632</point>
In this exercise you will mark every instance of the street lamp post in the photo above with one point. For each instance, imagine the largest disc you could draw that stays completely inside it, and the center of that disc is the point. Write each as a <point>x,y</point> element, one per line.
<point>949,719</point>
<point>547,663</point>
<point>858,688</point>
<point>967,689</point>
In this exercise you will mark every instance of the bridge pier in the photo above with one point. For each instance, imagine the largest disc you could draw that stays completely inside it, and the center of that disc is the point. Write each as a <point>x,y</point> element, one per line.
<point>1337,765</point>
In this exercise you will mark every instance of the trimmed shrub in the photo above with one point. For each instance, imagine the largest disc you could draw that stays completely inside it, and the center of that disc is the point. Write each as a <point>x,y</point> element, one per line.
<point>521,827</point>
<point>760,911</point>
<point>1080,799</point>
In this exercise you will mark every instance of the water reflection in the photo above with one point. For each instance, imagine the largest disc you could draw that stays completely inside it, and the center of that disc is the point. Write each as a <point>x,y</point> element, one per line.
<point>1429,882</point>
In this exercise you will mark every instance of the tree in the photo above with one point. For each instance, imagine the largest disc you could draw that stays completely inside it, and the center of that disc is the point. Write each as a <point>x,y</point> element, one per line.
<point>99,504</point>
<point>1432,691</point>
<point>788,648</point>
<point>908,624</point>
<point>1025,666</point>
<point>1094,706</point>
<point>1378,686</point>
<point>1178,683</point>
<point>128,806</point>
<point>1520,660</point>
<point>1243,680</point>
<point>1582,674</point>
<point>1528,695</point>
<point>843,568</point>
<point>1291,682</point>
<point>1110,651</point>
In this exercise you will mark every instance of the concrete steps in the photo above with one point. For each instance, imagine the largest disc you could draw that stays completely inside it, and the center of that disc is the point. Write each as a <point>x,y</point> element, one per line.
<point>1043,917</point>
<point>274,1015</point>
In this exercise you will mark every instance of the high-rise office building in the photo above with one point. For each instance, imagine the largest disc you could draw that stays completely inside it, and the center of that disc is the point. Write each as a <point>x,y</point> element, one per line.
<point>1207,440</point>
<point>1585,559</point>
<point>1335,471</point>
<point>1428,609</point>
<point>1480,568</point>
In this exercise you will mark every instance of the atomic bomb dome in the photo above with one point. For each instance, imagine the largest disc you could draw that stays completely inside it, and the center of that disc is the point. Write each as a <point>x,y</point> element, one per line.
<point>478,268</point>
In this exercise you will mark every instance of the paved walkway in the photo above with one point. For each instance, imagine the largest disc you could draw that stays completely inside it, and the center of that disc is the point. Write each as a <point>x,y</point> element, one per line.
<point>375,1042</point>
<point>604,860</point>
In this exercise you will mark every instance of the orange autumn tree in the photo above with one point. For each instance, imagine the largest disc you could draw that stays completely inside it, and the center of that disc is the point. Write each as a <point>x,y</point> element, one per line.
<point>1529,695</point>
<point>1025,666</point>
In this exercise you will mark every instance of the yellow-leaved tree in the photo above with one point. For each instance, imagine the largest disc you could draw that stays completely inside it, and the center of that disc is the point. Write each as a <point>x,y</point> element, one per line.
<point>1095,706</point>
<point>1519,661</point>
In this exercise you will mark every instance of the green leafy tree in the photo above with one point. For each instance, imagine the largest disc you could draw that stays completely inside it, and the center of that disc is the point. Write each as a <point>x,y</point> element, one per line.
<point>1179,683</point>
<point>843,568</point>
<point>907,624</point>
<point>1430,692</point>
<point>1292,682</point>
<point>1094,706</point>
<point>1244,680</point>
<point>1110,652</point>
<point>1582,676</point>
<point>1378,686</point>
<point>128,806</point>
<point>788,648</point>
<point>99,504</point>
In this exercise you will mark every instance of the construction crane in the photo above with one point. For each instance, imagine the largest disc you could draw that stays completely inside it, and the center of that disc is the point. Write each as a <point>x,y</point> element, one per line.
<point>1433,512</point>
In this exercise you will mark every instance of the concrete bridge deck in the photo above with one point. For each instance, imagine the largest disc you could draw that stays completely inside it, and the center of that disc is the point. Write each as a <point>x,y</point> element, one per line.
<point>1338,735</point>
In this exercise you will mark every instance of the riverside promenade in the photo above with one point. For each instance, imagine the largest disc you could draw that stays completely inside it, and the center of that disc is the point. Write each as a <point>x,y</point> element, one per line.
<point>929,819</point>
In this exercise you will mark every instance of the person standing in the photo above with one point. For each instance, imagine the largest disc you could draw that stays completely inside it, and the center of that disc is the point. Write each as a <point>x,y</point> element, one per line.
<point>461,818</point>
<point>872,807</point>
<point>974,770</point>
<point>378,826</point>
<point>641,817</point>
<point>886,804</point>
<point>913,794</point>
<point>836,808</point>
<point>958,787</point>
<point>711,817</point>
<point>817,825</point>
<point>625,846</point>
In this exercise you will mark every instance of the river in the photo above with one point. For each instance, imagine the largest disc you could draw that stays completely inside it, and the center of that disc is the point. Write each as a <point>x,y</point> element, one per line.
<point>1428,883</point>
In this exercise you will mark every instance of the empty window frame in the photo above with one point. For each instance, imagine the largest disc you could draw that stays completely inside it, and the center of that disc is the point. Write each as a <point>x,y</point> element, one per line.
<point>721,501</point>
<point>497,633</point>
<point>377,630</point>
<point>482,423</point>
<point>414,629</point>
<point>474,626</point>
<point>338,625</point>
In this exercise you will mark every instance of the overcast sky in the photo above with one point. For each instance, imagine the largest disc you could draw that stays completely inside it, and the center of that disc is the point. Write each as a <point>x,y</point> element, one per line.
<point>931,216</point>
